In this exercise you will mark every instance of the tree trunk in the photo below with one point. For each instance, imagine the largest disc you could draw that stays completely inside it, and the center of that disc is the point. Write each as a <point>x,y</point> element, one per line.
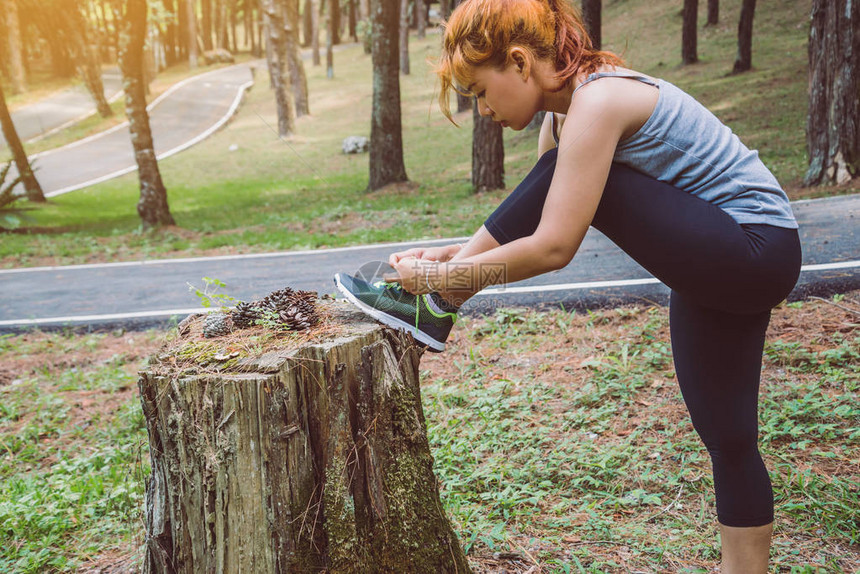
<point>591,14</point>
<point>743,61</point>
<point>331,37</point>
<point>421,8</point>
<point>22,164</point>
<point>191,32</point>
<point>334,21</point>
<point>278,63</point>
<point>87,61</point>
<point>221,39</point>
<point>689,40</point>
<point>488,153</point>
<point>352,21</point>
<point>713,13</point>
<point>233,25</point>
<point>311,457</point>
<point>248,24</point>
<point>307,23</point>
<point>386,137</point>
<point>364,10</point>
<point>315,34</point>
<point>170,39</point>
<point>833,123</point>
<point>152,207</point>
<point>298,78</point>
<point>17,77</point>
<point>206,23</point>
<point>444,9</point>
<point>404,37</point>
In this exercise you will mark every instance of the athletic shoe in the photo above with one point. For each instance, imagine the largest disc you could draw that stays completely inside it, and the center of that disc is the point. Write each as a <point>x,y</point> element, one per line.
<point>392,305</point>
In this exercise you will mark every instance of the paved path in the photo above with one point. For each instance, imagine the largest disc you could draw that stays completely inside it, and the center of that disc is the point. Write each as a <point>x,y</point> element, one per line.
<point>184,115</point>
<point>146,293</point>
<point>61,109</point>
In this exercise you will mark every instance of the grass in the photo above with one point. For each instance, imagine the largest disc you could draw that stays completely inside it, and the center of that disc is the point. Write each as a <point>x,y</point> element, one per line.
<point>560,442</point>
<point>303,193</point>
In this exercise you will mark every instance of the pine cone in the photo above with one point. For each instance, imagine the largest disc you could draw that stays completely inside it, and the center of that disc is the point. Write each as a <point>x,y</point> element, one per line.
<point>245,314</point>
<point>216,325</point>
<point>279,300</point>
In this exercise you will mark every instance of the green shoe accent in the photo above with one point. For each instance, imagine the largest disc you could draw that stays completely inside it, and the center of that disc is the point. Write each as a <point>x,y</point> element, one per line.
<point>392,305</point>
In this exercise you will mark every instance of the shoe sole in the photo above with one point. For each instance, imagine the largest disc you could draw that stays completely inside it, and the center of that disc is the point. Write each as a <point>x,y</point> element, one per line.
<point>431,343</point>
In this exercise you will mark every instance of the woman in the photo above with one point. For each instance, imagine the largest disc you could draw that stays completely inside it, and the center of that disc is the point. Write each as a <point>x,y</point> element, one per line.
<point>662,177</point>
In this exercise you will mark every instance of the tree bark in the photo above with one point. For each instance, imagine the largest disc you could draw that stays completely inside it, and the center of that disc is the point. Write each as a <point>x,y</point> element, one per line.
<point>713,13</point>
<point>334,21</point>
<point>170,39</point>
<point>591,14</point>
<point>833,123</point>
<point>331,37</point>
<point>689,39</point>
<point>352,20</point>
<point>404,37</point>
<point>221,38</point>
<point>278,66</point>
<point>386,136</point>
<point>315,34</point>
<point>17,77</point>
<point>298,78</point>
<point>152,206</point>
<point>87,60</point>
<point>248,25</point>
<point>206,23</point>
<point>307,23</point>
<point>421,8</point>
<point>191,33</point>
<point>310,457</point>
<point>22,164</point>
<point>743,61</point>
<point>488,153</point>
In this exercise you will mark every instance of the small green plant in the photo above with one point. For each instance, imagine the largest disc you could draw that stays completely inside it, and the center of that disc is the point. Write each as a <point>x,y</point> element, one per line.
<point>8,219</point>
<point>209,295</point>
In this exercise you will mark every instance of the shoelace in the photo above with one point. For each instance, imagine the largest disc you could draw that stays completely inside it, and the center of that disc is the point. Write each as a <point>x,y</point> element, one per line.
<point>399,288</point>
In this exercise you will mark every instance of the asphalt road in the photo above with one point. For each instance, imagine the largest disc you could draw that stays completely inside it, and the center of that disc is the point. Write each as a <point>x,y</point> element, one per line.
<point>61,109</point>
<point>148,293</point>
<point>182,116</point>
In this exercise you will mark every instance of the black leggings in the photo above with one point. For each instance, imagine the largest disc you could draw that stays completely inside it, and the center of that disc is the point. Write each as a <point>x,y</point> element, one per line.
<point>725,277</point>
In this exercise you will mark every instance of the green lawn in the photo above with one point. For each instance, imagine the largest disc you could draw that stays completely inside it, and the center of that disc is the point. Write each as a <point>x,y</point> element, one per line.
<point>304,193</point>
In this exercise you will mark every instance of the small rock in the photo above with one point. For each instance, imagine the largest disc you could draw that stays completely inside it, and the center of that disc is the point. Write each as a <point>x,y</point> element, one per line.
<point>233,147</point>
<point>355,144</point>
<point>219,56</point>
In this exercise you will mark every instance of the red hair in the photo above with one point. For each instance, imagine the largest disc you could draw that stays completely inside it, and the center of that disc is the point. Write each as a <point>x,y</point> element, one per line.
<point>482,33</point>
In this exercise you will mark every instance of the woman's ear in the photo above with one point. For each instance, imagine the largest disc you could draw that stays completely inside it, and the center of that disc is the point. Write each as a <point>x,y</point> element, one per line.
<point>522,59</point>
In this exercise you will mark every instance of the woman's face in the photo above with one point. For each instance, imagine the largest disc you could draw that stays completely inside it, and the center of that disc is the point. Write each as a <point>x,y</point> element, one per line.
<point>507,96</point>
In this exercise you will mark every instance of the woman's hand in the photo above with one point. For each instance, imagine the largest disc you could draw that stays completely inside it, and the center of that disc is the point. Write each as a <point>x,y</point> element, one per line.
<point>440,254</point>
<point>415,275</point>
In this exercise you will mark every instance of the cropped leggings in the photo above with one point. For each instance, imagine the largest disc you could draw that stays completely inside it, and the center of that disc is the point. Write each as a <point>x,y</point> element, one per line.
<point>724,278</point>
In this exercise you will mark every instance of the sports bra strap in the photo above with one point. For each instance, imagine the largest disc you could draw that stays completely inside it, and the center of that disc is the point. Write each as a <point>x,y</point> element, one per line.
<point>598,75</point>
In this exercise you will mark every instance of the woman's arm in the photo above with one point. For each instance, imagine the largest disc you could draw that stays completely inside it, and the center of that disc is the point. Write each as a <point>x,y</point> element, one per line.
<point>594,125</point>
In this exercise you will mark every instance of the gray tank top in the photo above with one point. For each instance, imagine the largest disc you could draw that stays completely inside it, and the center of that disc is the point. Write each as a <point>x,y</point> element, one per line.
<point>684,144</point>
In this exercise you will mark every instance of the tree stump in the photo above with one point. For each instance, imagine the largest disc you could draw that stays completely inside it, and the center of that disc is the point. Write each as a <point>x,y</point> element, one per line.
<point>300,453</point>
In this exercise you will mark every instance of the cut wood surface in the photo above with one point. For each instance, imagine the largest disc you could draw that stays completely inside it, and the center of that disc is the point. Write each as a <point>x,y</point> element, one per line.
<point>303,452</point>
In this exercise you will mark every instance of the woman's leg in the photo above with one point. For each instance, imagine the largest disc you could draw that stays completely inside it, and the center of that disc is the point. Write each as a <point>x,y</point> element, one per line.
<point>725,278</point>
